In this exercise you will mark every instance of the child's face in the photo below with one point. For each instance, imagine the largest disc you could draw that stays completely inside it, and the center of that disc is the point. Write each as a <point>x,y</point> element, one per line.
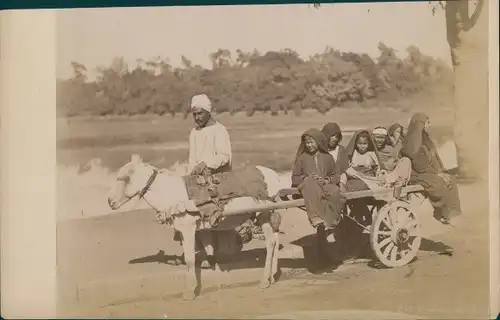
<point>397,133</point>
<point>362,144</point>
<point>311,145</point>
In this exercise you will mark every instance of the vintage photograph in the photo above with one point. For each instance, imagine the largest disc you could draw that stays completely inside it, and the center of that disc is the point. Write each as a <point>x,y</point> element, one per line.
<point>305,161</point>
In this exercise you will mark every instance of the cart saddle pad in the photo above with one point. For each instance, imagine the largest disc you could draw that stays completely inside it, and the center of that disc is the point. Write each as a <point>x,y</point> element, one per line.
<point>211,193</point>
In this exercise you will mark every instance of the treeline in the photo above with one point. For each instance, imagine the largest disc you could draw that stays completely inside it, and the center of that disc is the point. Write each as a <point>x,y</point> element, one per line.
<point>250,82</point>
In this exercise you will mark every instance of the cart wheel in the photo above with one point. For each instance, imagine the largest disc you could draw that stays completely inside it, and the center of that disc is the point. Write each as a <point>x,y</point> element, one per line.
<point>395,235</point>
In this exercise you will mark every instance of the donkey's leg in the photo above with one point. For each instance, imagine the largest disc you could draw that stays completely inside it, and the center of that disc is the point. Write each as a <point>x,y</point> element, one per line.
<point>178,260</point>
<point>188,230</point>
<point>275,222</point>
<point>206,238</point>
<point>276,248</point>
<point>268,234</point>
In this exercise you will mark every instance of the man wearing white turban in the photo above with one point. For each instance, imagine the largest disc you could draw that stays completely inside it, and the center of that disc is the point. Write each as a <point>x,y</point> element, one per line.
<point>209,149</point>
<point>209,143</point>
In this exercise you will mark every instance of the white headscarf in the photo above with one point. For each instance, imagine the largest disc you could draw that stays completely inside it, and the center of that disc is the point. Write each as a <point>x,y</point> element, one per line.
<point>380,131</point>
<point>201,101</point>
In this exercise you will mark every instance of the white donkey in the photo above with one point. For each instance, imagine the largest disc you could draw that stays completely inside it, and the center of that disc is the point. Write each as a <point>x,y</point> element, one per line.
<point>166,193</point>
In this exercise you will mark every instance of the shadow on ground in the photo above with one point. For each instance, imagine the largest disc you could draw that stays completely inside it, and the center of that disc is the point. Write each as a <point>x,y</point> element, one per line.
<point>350,244</point>
<point>160,257</point>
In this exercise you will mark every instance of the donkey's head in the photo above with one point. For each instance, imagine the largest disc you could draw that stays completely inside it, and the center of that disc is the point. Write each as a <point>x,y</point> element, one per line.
<point>130,181</point>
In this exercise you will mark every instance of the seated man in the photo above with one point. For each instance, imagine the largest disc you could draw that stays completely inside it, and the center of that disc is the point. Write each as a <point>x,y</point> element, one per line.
<point>394,167</point>
<point>209,144</point>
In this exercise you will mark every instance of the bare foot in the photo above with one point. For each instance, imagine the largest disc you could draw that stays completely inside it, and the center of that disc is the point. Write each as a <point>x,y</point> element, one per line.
<point>264,284</point>
<point>188,295</point>
<point>205,265</point>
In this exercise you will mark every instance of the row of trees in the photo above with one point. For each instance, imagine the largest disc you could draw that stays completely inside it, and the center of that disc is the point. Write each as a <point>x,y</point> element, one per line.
<point>250,81</point>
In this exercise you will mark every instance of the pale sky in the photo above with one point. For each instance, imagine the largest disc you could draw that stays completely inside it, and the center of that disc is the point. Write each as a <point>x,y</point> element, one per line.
<point>95,36</point>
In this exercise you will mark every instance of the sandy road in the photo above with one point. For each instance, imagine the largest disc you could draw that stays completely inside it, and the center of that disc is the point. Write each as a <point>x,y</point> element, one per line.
<point>433,288</point>
<point>436,286</point>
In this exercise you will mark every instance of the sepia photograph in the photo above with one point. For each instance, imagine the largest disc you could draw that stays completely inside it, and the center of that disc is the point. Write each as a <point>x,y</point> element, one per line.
<point>299,161</point>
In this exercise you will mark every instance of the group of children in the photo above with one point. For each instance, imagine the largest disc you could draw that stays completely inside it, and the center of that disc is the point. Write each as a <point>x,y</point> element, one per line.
<point>324,170</point>
<point>360,160</point>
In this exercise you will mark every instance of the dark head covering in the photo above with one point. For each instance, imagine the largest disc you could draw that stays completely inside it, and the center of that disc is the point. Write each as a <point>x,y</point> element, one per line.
<point>331,129</point>
<point>318,136</point>
<point>352,144</point>
<point>417,136</point>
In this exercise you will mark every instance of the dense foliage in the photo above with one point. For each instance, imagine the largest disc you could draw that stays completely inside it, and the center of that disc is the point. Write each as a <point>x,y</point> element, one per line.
<point>250,82</point>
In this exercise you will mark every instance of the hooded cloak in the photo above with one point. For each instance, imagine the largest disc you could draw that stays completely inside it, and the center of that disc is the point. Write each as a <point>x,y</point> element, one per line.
<point>414,136</point>
<point>358,184</point>
<point>321,163</point>
<point>320,139</point>
<point>352,144</point>
<point>329,130</point>
<point>323,202</point>
<point>427,167</point>
<point>415,139</point>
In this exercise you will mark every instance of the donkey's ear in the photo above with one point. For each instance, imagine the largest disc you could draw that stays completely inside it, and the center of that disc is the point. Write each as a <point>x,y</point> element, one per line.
<point>136,158</point>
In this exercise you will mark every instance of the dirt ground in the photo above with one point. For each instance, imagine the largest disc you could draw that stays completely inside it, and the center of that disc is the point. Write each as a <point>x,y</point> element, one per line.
<point>449,280</point>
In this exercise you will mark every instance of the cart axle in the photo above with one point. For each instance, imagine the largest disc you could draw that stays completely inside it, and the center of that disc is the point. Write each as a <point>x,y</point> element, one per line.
<point>402,236</point>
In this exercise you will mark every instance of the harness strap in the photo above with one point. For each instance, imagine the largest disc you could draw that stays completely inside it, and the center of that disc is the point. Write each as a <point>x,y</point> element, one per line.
<point>149,183</point>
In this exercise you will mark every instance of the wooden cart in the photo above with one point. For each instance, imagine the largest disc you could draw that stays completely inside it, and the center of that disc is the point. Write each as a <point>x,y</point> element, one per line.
<point>394,230</point>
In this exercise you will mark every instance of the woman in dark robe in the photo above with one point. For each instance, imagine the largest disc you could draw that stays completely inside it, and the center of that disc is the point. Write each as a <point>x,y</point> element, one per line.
<point>316,176</point>
<point>334,137</point>
<point>428,171</point>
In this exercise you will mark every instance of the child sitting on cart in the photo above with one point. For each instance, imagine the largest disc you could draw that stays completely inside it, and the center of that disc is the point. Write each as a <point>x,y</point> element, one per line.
<point>364,163</point>
<point>317,178</point>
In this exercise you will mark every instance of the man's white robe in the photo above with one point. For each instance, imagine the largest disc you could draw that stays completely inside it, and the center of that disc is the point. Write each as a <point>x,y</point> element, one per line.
<point>210,145</point>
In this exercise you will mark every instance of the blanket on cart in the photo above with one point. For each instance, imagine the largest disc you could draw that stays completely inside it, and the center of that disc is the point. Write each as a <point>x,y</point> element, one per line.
<point>211,193</point>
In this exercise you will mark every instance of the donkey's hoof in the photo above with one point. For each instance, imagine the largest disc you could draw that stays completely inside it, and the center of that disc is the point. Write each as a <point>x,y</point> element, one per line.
<point>179,260</point>
<point>264,284</point>
<point>188,295</point>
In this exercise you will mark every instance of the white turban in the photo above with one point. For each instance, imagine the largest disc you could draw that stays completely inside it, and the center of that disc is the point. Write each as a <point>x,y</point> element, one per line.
<point>380,131</point>
<point>201,101</point>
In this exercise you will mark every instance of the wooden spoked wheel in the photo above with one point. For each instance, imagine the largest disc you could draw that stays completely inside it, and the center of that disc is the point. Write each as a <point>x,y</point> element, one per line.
<point>395,235</point>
